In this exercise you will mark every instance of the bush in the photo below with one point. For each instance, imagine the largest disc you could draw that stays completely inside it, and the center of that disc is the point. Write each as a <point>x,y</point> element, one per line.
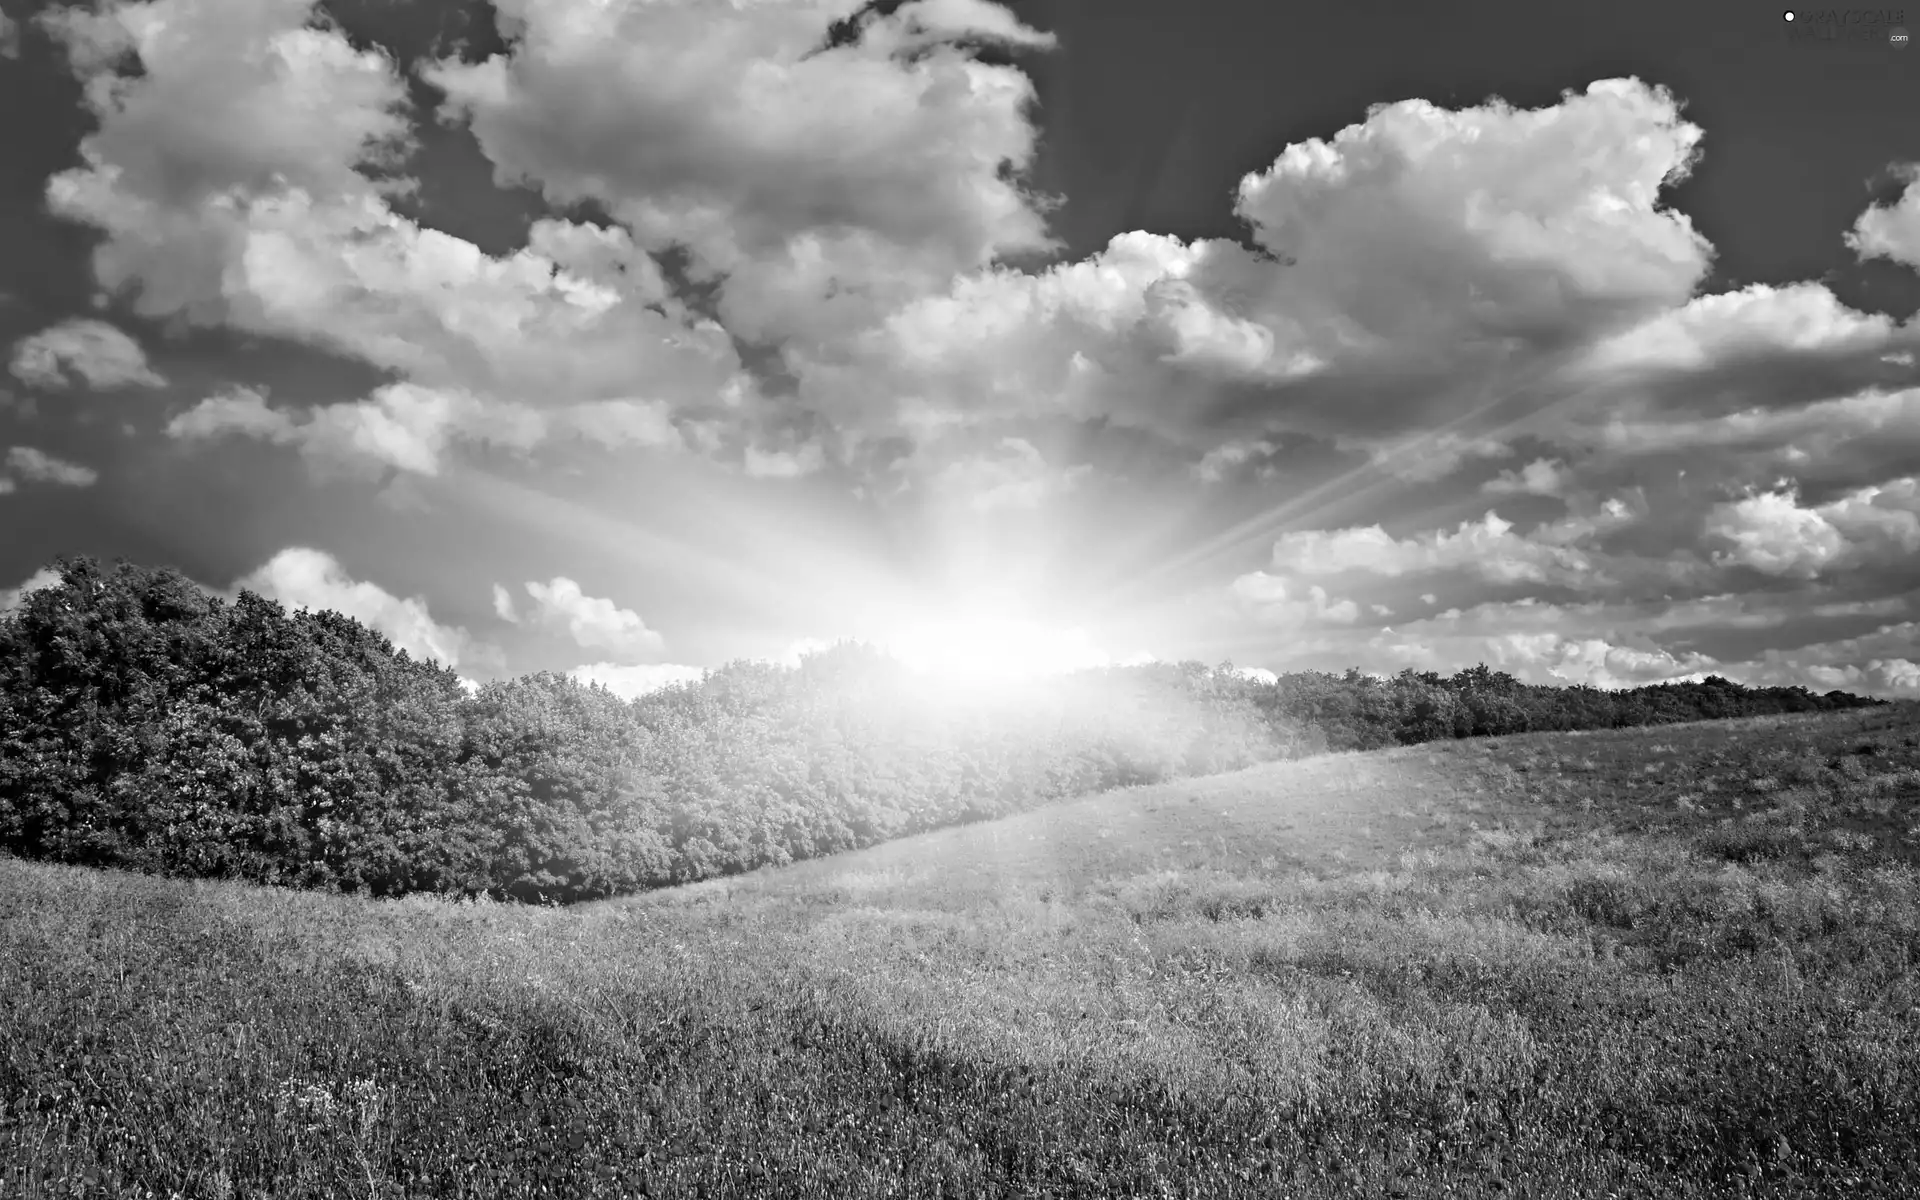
<point>144,724</point>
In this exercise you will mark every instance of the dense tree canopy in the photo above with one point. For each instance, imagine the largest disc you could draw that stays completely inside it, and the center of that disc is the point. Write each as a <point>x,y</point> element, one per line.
<point>145,724</point>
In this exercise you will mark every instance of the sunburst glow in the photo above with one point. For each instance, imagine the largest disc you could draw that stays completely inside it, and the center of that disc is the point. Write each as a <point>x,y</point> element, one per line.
<point>990,642</point>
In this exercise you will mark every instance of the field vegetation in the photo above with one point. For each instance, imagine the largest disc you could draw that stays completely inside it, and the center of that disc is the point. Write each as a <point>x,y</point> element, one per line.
<point>1666,961</point>
<point>145,724</point>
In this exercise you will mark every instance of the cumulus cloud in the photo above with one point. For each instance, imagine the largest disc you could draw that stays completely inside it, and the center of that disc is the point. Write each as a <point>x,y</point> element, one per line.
<point>1398,267</point>
<point>1815,431</point>
<point>241,174</point>
<point>9,37</point>
<point>1773,533</point>
<point>1877,663</point>
<point>1891,230</point>
<point>503,605</point>
<point>409,427</point>
<point>301,577</point>
<point>817,183</point>
<point>1489,547</point>
<point>94,351</point>
<point>1221,462</point>
<point>1425,458</point>
<point>1422,224</point>
<point>593,622</point>
<point>1269,600</point>
<point>10,598</point>
<point>1801,318</point>
<point>1541,477</point>
<point>1540,643</point>
<point>632,681</point>
<point>37,466</point>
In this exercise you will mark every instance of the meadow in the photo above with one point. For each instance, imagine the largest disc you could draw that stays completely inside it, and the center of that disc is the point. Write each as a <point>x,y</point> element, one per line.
<point>1667,961</point>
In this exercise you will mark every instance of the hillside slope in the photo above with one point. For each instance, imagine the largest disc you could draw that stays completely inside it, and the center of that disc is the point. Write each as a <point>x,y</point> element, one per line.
<point>1667,962</point>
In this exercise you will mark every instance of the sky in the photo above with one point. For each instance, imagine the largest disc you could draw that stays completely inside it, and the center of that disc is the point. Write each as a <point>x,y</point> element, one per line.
<point>630,337</point>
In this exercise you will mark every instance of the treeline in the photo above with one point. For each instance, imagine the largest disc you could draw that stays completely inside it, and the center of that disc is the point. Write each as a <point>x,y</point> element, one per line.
<point>145,724</point>
<point>1363,712</point>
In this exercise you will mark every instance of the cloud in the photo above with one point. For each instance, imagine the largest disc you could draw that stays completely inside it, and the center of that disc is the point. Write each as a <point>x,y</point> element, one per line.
<point>1016,476</point>
<point>300,577</point>
<point>1488,547</point>
<point>36,466</point>
<point>1800,318</point>
<point>503,605</point>
<point>1773,533</point>
<point>617,423</point>
<point>241,174</point>
<point>1876,663</point>
<point>1420,225</point>
<point>1270,602</point>
<point>1220,463</point>
<point>1541,477</point>
<point>9,37</point>
<point>632,681</point>
<point>10,598</point>
<point>817,184</point>
<point>1538,643</point>
<point>1426,457</point>
<point>400,427</point>
<point>1891,230</point>
<point>1817,430</point>
<point>1402,274</point>
<point>95,351</point>
<point>593,622</point>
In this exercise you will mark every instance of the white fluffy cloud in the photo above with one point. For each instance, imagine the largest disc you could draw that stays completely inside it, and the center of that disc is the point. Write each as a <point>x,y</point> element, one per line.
<point>1891,230</point>
<point>1397,264</point>
<point>1816,430</point>
<point>1541,477</point>
<point>96,352</point>
<point>1269,600</point>
<point>1489,547</point>
<point>813,181</point>
<point>10,598</point>
<point>1878,663</point>
<point>402,426</point>
<point>1803,318</point>
<point>1424,458</point>
<point>238,180</point>
<point>409,427</point>
<point>37,466</point>
<point>503,605</point>
<point>1773,533</point>
<point>1220,463</point>
<point>630,681</point>
<point>300,577</point>
<point>593,622</point>
<point>1422,225</point>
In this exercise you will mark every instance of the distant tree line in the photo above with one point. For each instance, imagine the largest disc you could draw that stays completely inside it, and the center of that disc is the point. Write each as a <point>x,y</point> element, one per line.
<point>145,724</point>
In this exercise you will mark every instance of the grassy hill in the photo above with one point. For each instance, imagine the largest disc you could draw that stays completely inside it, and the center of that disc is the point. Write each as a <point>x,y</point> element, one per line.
<point>1674,961</point>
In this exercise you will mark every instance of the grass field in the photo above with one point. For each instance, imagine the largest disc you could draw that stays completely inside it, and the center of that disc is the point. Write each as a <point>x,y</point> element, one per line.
<point>1662,962</point>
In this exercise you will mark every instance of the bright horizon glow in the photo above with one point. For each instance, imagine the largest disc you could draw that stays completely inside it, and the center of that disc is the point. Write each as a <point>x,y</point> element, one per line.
<point>988,642</point>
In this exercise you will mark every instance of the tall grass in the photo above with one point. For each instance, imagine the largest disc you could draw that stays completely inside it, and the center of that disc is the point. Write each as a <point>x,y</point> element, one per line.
<point>1531,967</point>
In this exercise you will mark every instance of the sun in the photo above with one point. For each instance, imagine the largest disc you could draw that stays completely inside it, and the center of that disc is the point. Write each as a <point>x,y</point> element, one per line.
<point>989,643</point>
